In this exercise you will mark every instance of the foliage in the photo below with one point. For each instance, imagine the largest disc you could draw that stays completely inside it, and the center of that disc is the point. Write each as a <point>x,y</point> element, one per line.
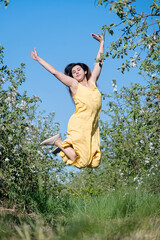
<point>6,2</point>
<point>138,34</point>
<point>26,168</point>
<point>131,139</point>
<point>130,214</point>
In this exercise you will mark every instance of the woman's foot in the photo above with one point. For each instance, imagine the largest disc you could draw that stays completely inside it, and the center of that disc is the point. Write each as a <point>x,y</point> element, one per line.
<point>56,150</point>
<point>57,141</point>
<point>51,140</point>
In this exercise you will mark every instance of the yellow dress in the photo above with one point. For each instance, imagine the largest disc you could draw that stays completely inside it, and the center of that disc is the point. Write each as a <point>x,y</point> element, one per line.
<point>83,131</point>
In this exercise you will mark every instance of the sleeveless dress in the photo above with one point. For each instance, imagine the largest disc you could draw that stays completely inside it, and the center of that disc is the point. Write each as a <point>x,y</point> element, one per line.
<point>83,131</point>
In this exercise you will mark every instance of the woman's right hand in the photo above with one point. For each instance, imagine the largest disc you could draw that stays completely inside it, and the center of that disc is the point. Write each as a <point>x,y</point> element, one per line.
<point>34,55</point>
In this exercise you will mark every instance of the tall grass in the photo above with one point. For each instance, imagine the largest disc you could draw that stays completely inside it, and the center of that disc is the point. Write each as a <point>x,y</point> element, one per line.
<point>133,214</point>
<point>119,205</point>
<point>114,215</point>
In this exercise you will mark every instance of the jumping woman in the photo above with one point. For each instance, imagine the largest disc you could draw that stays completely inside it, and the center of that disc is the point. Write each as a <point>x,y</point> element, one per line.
<point>81,148</point>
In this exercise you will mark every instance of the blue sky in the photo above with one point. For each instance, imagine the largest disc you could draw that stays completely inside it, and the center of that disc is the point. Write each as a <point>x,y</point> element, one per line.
<point>60,31</point>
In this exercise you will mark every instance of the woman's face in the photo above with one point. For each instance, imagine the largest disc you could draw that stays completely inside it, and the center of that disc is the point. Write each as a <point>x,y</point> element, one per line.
<point>78,73</point>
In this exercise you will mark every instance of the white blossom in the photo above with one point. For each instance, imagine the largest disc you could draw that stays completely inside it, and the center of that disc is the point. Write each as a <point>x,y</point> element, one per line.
<point>132,63</point>
<point>2,80</point>
<point>133,60</point>
<point>12,88</point>
<point>10,138</point>
<point>151,146</point>
<point>16,148</point>
<point>154,75</point>
<point>135,55</point>
<point>149,46</point>
<point>115,88</point>
<point>23,105</point>
<point>11,99</point>
<point>147,160</point>
<point>27,129</point>
<point>141,111</point>
<point>40,153</point>
<point>135,179</point>
<point>154,37</point>
<point>7,160</point>
<point>7,100</point>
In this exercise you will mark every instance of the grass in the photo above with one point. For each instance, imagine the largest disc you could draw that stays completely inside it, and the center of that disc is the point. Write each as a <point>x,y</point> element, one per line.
<point>116,215</point>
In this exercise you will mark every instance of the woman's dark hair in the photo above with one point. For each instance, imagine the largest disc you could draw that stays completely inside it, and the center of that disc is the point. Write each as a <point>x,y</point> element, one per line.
<point>68,69</point>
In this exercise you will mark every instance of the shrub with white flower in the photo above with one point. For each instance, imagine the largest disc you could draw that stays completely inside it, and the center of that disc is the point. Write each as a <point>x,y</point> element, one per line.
<point>22,160</point>
<point>130,136</point>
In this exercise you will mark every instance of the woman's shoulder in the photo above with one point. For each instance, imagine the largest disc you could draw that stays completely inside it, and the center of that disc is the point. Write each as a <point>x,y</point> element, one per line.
<point>92,81</point>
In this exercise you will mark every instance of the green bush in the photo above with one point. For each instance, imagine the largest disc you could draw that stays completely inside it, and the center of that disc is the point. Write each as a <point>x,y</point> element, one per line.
<point>26,168</point>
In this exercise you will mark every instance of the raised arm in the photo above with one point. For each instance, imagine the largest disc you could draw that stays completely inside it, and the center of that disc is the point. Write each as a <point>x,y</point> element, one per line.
<point>68,81</point>
<point>98,65</point>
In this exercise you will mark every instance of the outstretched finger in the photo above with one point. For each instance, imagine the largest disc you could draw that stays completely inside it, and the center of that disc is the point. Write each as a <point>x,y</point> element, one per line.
<point>94,36</point>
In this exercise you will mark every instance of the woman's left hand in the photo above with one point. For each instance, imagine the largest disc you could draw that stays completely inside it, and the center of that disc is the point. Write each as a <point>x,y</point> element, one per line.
<point>98,37</point>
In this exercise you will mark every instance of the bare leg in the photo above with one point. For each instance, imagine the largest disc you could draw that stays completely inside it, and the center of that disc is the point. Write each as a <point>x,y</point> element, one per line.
<point>69,151</point>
